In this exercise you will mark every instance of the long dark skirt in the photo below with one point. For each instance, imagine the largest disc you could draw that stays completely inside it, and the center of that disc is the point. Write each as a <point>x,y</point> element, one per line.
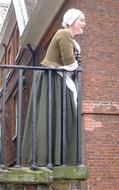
<point>41,124</point>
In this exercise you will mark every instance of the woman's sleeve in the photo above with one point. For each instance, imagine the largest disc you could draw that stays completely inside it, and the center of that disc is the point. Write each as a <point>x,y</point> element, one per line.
<point>66,47</point>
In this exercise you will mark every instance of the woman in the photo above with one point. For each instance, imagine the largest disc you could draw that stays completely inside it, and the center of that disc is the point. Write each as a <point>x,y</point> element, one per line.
<point>60,54</point>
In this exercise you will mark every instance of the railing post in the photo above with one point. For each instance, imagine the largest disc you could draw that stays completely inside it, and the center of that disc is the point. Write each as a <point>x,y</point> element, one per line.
<point>33,165</point>
<point>19,124</point>
<point>50,165</point>
<point>79,117</point>
<point>64,110</point>
<point>4,79</point>
<point>4,82</point>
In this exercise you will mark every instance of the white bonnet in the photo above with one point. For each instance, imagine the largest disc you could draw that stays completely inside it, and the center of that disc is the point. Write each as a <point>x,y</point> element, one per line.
<point>70,16</point>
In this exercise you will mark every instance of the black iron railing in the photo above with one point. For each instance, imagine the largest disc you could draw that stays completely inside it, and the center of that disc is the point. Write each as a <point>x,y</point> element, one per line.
<point>33,69</point>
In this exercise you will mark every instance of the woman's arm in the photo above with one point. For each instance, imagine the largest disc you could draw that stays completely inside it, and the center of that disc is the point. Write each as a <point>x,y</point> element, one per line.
<point>66,47</point>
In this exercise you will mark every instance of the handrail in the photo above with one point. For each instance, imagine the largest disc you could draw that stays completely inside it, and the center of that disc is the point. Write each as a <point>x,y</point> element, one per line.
<point>35,68</point>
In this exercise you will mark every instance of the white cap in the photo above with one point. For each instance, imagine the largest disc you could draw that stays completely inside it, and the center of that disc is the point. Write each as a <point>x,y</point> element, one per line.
<point>70,16</point>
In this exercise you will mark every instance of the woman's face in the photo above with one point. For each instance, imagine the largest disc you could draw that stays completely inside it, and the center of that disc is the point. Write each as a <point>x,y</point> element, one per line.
<point>79,25</point>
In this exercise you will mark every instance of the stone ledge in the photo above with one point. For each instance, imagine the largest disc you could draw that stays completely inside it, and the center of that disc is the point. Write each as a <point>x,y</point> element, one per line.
<point>25,175</point>
<point>42,175</point>
<point>71,172</point>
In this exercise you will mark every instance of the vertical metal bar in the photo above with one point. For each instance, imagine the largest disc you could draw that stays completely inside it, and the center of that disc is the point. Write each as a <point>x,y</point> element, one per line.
<point>33,166</point>
<point>50,165</point>
<point>20,89</point>
<point>4,79</point>
<point>64,120</point>
<point>79,118</point>
<point>4,83</point>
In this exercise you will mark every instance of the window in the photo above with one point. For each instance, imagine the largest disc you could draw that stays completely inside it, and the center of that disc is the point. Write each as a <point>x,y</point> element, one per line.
<point>16,41</point>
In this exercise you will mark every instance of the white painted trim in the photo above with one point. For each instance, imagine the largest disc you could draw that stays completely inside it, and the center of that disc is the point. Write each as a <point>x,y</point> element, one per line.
<point>43,13</point>
<point>21,14</point>
<point>6,21</point>
<point>24,11</point>
<point>7,28</point>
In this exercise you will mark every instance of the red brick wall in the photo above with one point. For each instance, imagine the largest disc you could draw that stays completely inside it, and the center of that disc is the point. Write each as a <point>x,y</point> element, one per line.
<point>100,59</point>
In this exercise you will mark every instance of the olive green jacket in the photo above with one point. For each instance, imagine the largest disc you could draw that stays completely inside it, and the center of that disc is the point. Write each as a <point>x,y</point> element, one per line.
<point>61,50</point>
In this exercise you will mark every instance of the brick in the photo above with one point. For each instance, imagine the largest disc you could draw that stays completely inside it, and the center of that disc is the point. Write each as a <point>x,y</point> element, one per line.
<point>100,107</point>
